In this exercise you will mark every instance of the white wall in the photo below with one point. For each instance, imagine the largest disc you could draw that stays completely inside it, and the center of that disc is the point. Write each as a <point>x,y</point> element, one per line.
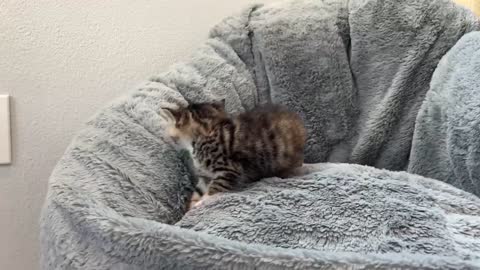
<point>61,60</point>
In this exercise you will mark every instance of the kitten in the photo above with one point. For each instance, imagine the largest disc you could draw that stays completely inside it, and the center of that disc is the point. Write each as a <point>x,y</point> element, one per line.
<point>232,151</point>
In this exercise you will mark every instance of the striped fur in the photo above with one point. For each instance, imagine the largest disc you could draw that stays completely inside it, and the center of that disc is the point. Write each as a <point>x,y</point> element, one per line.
<point>236,150</point>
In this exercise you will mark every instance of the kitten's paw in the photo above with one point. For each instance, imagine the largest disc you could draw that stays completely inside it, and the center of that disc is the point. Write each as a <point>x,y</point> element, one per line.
<point>202,200</point>
<point>191,205</point>
<point>193,200</point>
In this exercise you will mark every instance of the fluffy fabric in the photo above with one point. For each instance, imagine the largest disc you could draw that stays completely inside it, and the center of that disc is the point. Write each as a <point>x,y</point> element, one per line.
<point>448,124</point>
<point>357,72</point>
<point>346,207</point>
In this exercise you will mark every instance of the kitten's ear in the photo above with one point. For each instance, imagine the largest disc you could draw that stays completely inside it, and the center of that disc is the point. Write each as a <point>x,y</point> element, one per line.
<point>220,104</point>
<point>174,113</point>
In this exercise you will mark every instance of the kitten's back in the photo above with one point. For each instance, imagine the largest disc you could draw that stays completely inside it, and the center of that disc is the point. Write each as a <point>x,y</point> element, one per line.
<point>271,140</point>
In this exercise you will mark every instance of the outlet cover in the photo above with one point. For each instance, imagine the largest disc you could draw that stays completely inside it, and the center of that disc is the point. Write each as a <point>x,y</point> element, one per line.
<point>5,133</point>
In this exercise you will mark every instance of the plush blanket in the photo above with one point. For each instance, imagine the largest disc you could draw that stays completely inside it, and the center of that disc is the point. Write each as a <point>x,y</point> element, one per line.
<point>446,142</point>
<point>357,72</point>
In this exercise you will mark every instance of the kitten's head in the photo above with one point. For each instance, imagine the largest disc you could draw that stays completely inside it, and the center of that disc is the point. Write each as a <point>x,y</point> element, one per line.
<point>197,119</point>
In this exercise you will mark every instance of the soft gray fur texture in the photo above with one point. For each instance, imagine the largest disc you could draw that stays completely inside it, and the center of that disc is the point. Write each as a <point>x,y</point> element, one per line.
<point>346,207</point>
<point>448,124</point>
<point>357,71</point>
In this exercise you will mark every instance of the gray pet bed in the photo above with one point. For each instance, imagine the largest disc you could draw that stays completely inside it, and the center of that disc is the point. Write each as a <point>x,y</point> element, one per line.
<point>360,74</point>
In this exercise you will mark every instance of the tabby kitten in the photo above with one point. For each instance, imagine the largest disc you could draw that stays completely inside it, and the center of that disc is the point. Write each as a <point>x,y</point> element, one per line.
<point>232,151</point>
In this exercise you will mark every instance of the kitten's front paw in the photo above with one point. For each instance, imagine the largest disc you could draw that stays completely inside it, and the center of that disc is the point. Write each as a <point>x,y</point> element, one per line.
<point>191,205</point>
<point>202,200</point>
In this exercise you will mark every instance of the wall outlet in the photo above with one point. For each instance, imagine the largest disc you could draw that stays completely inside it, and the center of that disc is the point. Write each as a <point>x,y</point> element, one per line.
<point>5,133</point>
